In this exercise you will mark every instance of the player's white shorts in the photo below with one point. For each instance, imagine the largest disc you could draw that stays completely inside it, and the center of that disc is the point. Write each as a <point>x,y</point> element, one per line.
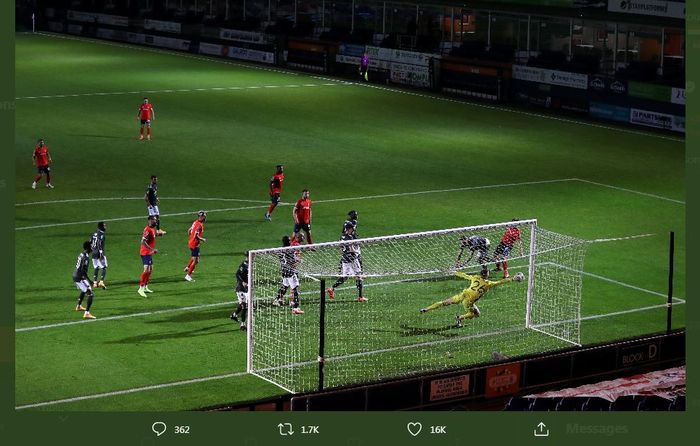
<point>350,269</point>
<point>83,286</point>
<point>99,263</point>
<point>242,297</point>
<point>153,210</point>
<point>291,282</point>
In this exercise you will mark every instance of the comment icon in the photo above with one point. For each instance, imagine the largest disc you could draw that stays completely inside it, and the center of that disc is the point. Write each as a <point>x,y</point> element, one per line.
<point>159,428</point>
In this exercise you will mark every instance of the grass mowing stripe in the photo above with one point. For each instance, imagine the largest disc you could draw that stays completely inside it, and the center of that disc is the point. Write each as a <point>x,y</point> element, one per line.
<point>392,90</point>
<point>622,284</point>
<point>78,200</point>
<point>369,197</point>
<point>232,375</point>
<point>520,112</point>
<point>219,304</point>
<point>123,316</point>
<point>182,90</point>
<point>133,390</point>
<point>333,200</point>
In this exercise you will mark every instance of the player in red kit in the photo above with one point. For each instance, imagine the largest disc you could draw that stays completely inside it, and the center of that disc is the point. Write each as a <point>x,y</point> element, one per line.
<point>510,237</point>
<point>41,159</point>
<point>196,231</point>
<point>302,215</point>
<point>148,249</point>
<point>275,190</point>
<point>146,115</point>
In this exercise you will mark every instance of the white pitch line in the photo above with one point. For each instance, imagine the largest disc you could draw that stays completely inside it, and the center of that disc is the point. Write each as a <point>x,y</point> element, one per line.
<point>233,375</point>
<point>617,282</point>
<point>632,191</point>
<point>310,292</point>
<point>346,82</point>
<point>617,239</point>
<point>368,197</point>
<point>182,90</point>
<point>79,200</point>
<point>176,214</point>
<point>123,316</point>
<point>132,390</point>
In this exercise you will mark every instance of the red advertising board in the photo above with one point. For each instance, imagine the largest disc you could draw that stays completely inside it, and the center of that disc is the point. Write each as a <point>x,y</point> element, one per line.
<point>502,380</point>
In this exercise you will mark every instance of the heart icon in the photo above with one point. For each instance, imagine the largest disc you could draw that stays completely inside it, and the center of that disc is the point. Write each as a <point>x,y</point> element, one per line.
<point>414,428</point>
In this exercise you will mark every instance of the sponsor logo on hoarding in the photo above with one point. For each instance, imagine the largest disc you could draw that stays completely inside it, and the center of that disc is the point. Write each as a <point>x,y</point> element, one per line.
<point>502,380</point>
<point>552,77</point>
<point>597,84</point>
<point>456,386</point>
<point>678,96</point>
<point>241,36</point>
<point>618,87</point>
<point>612,112</point>
<point>659,8</point>
<point>651,119</point>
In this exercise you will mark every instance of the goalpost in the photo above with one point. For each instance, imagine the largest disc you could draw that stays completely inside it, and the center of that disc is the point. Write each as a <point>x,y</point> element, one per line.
<point>388,337</point>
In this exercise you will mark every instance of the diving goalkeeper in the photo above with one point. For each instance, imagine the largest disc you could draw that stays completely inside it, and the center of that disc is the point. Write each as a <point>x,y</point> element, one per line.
<point>477,288</point>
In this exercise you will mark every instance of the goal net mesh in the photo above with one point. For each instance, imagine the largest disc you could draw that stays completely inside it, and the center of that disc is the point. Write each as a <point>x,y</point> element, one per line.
<point>387,336</point>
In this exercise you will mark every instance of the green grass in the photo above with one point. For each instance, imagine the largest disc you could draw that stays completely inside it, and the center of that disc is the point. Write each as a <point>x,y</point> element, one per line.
<point>340,141</point>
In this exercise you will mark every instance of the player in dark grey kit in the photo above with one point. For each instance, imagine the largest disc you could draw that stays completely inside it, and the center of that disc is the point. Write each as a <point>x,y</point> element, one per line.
<point>152,200</point>
<point>478,246</point>
<point>289,261</point>
<point>349,264</point>
<point>352,221</point>
<point>242,293</point>
<point>80,277</point>
<point>99,257</point>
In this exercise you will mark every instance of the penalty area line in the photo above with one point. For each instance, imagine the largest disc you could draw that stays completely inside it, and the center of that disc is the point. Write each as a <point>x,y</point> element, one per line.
<point>333,200</point>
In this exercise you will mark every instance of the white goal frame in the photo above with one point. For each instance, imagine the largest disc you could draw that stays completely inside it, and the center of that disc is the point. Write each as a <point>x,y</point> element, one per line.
<point>531,256</point>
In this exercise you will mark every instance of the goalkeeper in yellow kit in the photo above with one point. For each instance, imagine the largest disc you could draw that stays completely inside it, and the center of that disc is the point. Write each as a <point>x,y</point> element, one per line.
<point>477,288</point>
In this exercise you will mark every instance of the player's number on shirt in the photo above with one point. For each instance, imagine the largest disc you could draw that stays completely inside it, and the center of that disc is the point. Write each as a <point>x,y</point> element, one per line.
<point>479,289</point>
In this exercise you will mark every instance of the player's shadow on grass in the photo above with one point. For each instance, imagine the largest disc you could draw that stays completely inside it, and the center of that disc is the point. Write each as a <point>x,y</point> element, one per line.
<point>224,327</point>
<point>89,135</point>
<point>225,254</point>
<point>447,331</point>
<point>213,314</point>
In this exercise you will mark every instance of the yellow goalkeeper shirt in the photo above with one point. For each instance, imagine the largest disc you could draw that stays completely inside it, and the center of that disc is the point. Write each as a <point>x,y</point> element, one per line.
<point>478,286</point>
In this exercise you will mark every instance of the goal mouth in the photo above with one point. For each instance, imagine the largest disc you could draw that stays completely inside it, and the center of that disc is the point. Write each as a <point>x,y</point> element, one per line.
<point>363,302</point>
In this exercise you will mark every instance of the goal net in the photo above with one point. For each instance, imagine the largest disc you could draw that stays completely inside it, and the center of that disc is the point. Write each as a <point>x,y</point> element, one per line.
<point>387,336</point>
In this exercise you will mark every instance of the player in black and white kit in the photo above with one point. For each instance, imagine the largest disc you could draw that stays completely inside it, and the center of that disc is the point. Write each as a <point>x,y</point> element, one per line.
<point>80,277</point>
<point>152,200</point>
<point>352,220</point>
<point>99,257</point>
<point>289,260</point>
<point>242,293</point>
<point>349,264</point>
<point>478,246</point>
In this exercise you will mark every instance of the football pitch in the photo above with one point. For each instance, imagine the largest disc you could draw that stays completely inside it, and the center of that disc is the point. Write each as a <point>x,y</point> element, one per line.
<point>407,161</point>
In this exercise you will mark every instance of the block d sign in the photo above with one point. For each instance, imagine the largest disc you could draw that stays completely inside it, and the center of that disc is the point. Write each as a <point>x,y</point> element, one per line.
<point>502,380</point>
<point>638,354</point>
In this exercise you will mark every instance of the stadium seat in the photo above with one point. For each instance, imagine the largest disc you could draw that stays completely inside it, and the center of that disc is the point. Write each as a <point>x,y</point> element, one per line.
<point>627,403</point>
<point>572,403</point>
<point>518,404</point>
<point>654,403</point>
<point>678,403</point>
<point>545,404</point>
<point>595,404</point>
